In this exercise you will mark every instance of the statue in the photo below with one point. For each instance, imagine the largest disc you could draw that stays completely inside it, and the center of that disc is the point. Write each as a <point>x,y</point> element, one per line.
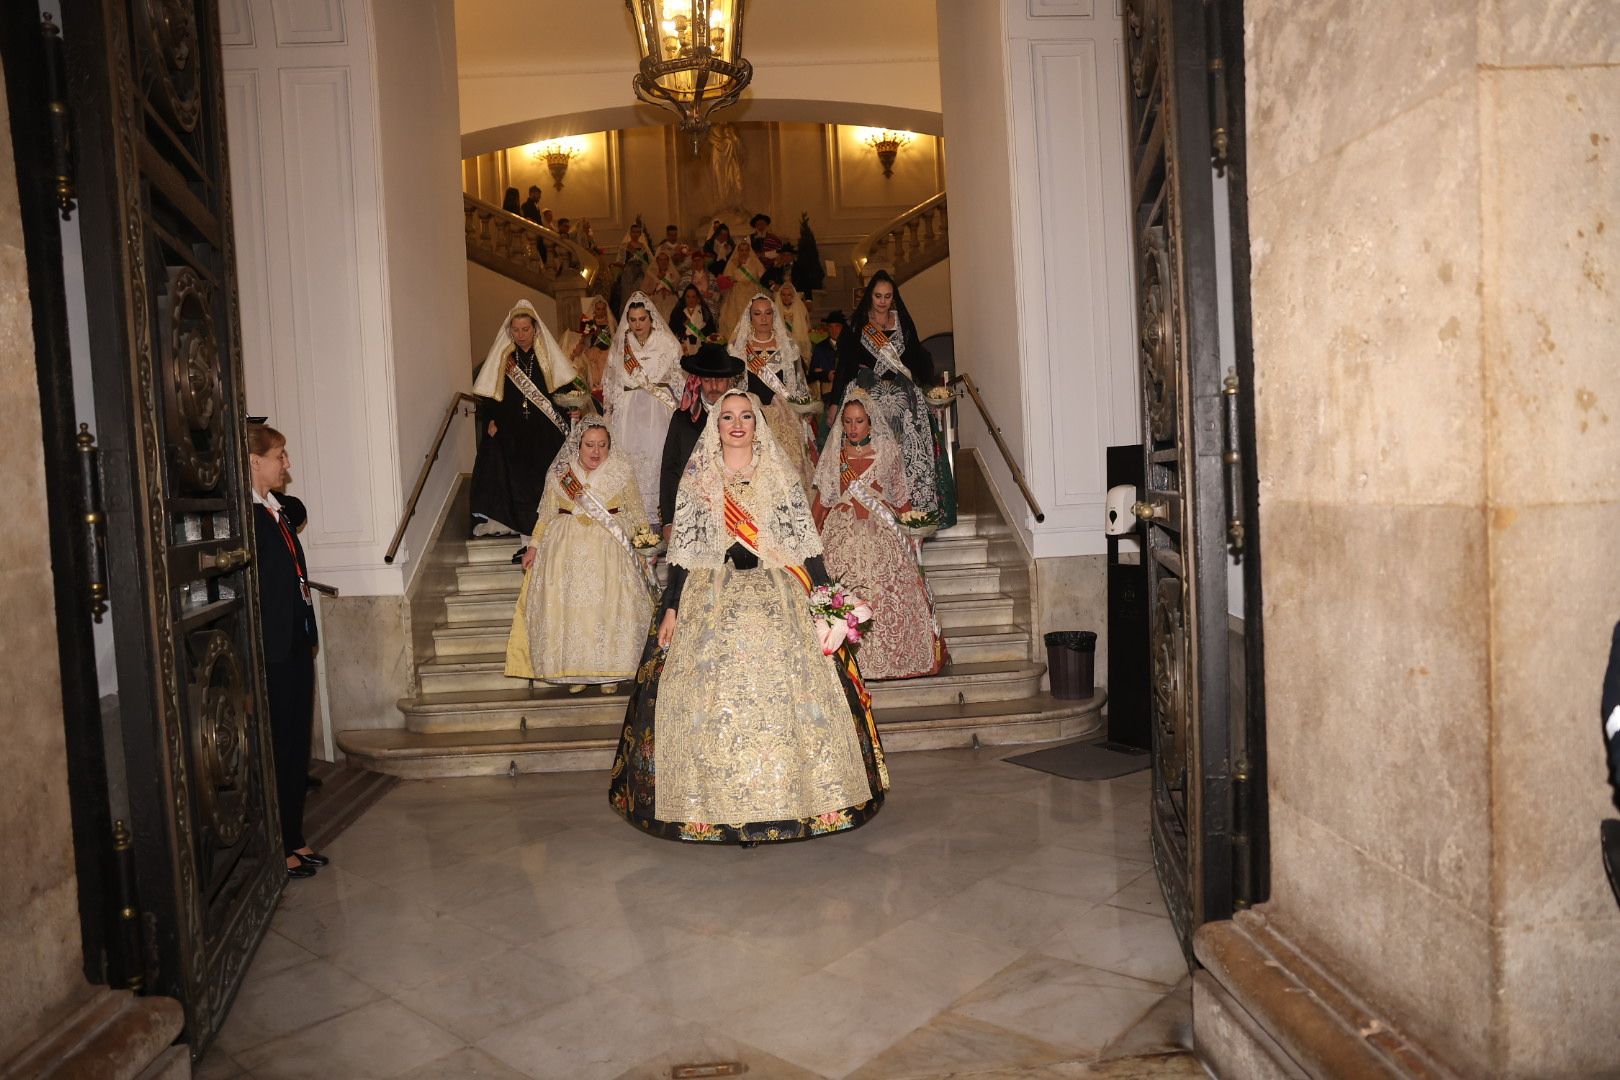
<point>726,166</point>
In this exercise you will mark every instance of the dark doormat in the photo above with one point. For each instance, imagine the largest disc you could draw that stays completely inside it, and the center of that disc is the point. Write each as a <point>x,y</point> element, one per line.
<point>1085,760</point>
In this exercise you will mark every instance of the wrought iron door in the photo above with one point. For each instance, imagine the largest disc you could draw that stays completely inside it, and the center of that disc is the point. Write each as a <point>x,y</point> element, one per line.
<point>145,90</point>
<point>1190,508</point>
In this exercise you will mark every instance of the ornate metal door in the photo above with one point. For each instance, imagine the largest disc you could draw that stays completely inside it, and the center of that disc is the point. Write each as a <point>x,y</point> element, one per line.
<point>1207,796</point>
<point>145,90</point>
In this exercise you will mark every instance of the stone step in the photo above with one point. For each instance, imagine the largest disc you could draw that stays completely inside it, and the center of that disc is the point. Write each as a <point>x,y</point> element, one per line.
<point>462,609</point>
<point>939,557</point>
<point>590,746</point>
<point>473,658</point>
<point>964,551</point>
<point>488,701</point>
<point>951,582</point>
<point>983,609</point>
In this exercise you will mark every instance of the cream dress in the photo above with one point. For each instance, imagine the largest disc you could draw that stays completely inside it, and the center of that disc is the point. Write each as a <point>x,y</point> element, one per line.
<point>584,607</point>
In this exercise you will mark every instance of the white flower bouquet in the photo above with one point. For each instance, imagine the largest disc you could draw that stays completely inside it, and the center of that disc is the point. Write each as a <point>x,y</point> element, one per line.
<point>842,618</point>
<point>646,541</point>
<point>940,396</point>
<point>805,406</point>
<point>572,398</point>
<point>918,522</point>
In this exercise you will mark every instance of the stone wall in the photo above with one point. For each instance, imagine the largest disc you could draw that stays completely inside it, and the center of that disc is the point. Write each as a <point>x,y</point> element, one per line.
<point>1435,189</point>
<point>40,949</point>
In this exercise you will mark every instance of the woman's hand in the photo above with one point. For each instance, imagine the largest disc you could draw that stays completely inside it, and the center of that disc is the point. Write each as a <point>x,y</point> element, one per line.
<point>666,629</point>
<point>490,430</point>
<point>528,556</point>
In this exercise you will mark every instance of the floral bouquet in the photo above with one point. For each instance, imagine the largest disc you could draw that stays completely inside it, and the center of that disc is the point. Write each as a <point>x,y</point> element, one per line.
<point>576,395</point>
<point>646,541</point>
<point>842,618</point>
<point>715,339</point>
<point>918,522</point>
<point>805,406</point>
<point>724,282</point>
<point>940,396</point>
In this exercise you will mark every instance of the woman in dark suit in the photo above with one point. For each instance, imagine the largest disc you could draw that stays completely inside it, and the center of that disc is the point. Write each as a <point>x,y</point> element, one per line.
<point>287,621</point>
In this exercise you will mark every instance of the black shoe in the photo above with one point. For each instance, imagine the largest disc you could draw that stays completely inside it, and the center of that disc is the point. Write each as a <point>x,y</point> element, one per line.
<point>311,782</point>
<point>312,859</point>
<point>300,871</point>
<point>518,558</point>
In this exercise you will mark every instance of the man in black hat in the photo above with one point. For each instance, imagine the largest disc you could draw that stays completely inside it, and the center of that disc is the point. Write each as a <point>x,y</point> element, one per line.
<point>824,356</point>
<point>711,371</point>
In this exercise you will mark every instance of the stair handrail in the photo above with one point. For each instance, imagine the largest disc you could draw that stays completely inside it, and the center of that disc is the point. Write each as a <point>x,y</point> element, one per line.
<point>1001,444</point>
<point>456,401</point>
<point>590,263</point>
<point>907,244</point>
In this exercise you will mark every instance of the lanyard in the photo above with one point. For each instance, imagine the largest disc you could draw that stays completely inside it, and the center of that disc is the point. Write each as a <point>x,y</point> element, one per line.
<point>292,549</point>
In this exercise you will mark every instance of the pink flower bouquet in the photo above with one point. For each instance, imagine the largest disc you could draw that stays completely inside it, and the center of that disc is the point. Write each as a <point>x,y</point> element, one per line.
<point>841,617</point>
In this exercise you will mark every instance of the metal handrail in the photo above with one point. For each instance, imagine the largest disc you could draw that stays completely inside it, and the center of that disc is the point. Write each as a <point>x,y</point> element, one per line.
<point>1001,444</point>
<point>427,467</point>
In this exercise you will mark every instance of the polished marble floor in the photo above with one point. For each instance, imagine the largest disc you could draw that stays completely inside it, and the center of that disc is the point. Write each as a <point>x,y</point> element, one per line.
<point>992,920</point>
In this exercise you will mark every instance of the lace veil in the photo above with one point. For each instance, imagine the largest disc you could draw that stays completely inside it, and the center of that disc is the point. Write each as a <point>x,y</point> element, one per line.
<point>887,471</point>
<point>660,357</point>
<point>775,499</point>
<point>786,363</point>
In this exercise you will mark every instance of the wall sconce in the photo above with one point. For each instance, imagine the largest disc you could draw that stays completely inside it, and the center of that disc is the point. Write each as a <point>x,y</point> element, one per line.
<point>556,155</point>
<point>887,144</point>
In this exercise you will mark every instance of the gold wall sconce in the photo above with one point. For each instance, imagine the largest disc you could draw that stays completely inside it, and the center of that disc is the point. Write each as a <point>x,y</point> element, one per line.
<point>557,155</point>
<point>888,145</point>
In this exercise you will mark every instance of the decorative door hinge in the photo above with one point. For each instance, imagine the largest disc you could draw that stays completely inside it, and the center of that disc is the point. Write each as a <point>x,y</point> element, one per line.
<point>129,913</point>
<point>62,170</point>
<point>1232,461</point>
<point>94,534</point>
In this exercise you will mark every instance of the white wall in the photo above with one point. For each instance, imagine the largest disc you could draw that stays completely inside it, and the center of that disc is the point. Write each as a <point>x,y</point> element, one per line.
<point>489,297</point>
<point>1044,308</point>
<point>427,253</point>
<point>350,265</point>
<point>928,298</point>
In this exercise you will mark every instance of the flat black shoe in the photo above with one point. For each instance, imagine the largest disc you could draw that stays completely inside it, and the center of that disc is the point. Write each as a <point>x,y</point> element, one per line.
<point>312,859</point>
<point>311,782</point>
<point>518,558</point>
<point>300,871</point>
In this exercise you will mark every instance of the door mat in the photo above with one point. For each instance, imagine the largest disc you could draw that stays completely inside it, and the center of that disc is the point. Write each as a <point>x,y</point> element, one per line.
<point>1085,760</point>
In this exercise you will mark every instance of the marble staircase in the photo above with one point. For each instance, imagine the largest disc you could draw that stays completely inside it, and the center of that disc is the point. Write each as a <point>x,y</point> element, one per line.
<point>467,718</point>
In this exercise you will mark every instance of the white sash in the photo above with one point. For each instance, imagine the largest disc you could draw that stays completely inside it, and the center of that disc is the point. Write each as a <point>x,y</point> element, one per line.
<point>532,392</point>
<point>642,382</point>
<point>765,375</point>
<point>587,501</point>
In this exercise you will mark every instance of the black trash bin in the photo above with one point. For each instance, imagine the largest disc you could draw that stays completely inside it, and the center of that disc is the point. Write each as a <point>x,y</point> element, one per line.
<point>1071,661</point>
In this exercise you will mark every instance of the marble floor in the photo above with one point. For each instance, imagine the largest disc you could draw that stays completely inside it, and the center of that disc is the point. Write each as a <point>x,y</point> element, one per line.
<point>990,921</point>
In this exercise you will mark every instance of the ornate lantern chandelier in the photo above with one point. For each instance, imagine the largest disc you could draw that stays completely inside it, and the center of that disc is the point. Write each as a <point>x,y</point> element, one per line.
<point>691,57</point>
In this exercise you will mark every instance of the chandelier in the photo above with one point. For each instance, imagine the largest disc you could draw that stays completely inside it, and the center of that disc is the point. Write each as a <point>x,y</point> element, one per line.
<point>691,57</point>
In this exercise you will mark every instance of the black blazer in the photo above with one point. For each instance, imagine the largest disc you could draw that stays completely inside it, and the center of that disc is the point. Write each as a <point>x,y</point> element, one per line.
<point>286,622</point>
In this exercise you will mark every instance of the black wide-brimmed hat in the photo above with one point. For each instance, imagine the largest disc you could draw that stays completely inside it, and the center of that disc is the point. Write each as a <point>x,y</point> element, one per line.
<point>712,361</point>
<point>835,316</point>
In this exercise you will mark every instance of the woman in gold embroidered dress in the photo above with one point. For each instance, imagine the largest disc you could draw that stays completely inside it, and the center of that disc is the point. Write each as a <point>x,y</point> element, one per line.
<point>740,729</point>
<point>586,598</point>
<point>744,270</point>
<point>763,344</point>
<point>860,488</point>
